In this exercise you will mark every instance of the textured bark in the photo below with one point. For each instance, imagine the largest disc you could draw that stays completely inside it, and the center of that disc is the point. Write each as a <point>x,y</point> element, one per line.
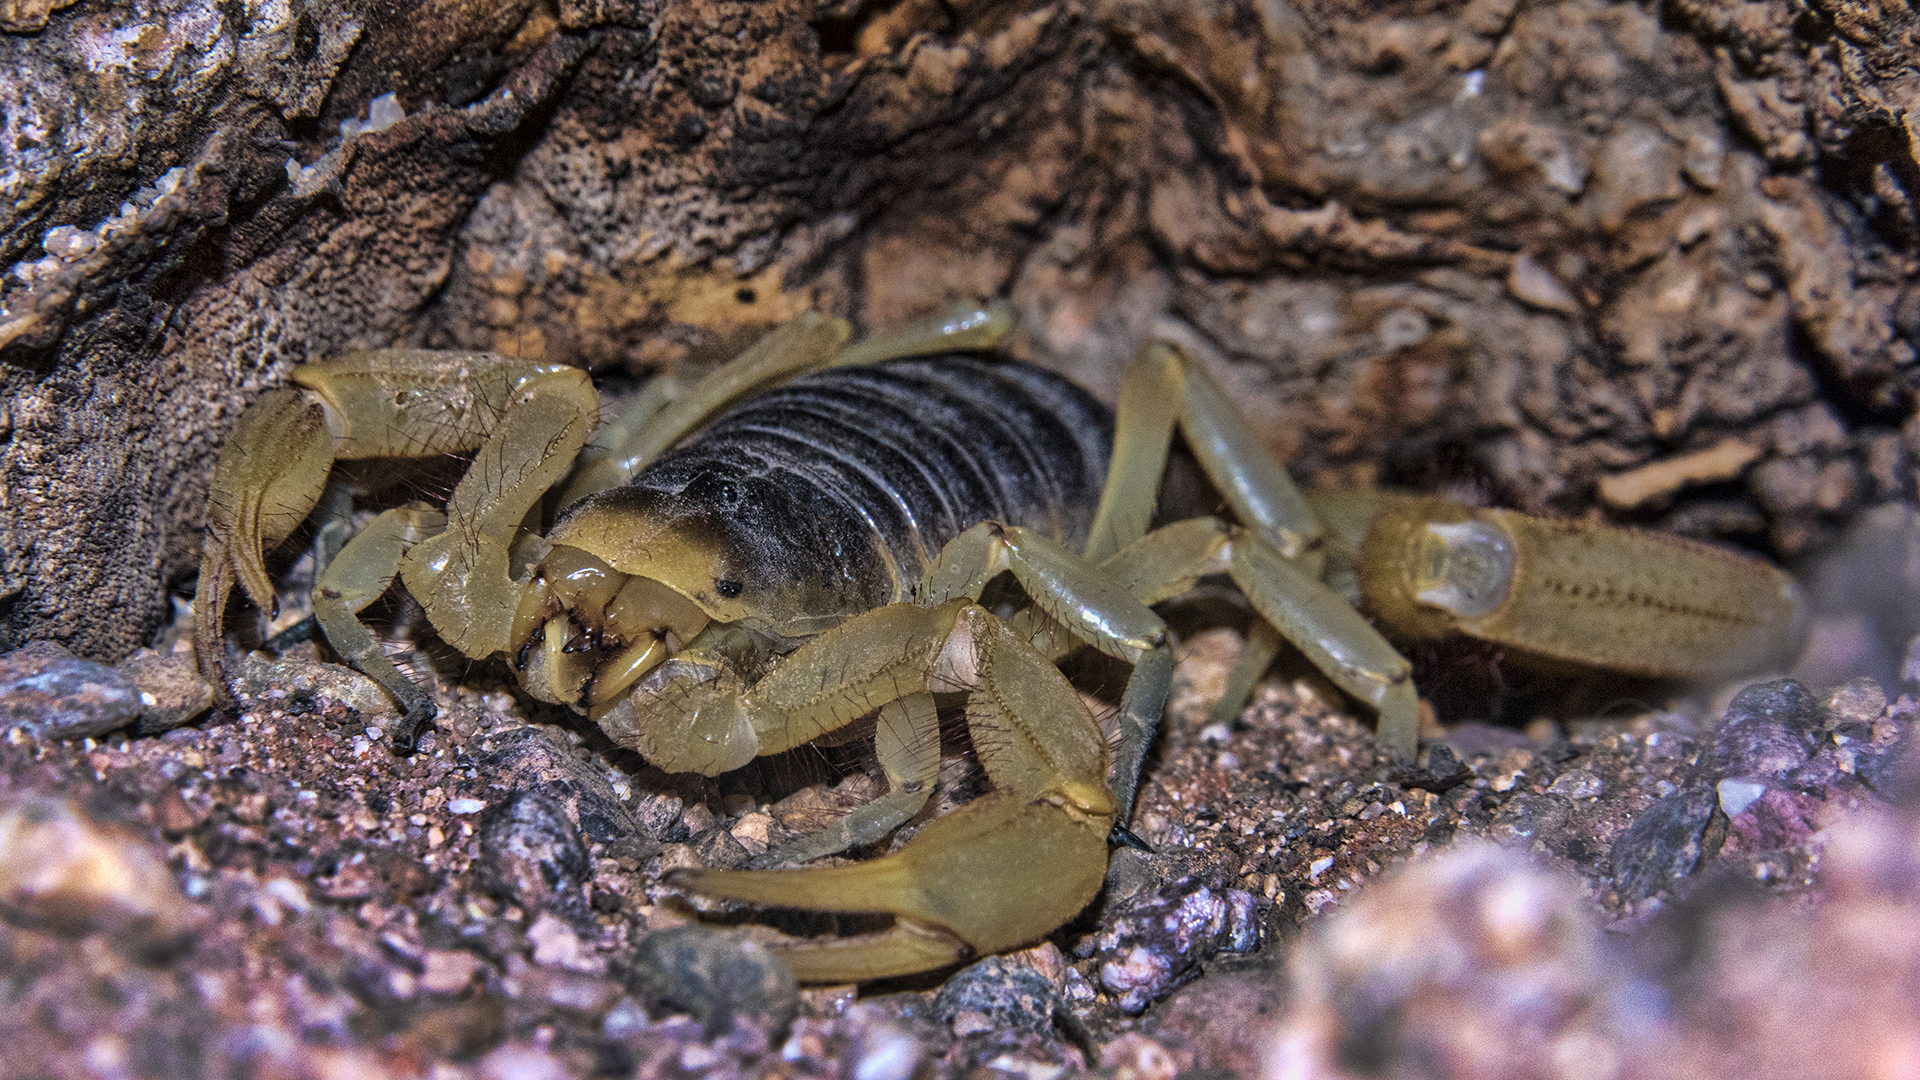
<point>1555,256</point>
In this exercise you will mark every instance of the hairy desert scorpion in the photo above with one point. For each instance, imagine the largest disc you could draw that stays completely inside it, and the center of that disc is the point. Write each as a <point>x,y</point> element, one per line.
<point>802,540</point>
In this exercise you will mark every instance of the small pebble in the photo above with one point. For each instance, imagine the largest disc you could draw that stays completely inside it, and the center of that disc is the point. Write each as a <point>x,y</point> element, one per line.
<point>1576,784</point>
<point>996,994</point>
<point>172,693</point>
<point>887,1052</point>
<point>1157,944</point>
<point>721,979</point>
<point>1737,795</point>
<point>532,855</point>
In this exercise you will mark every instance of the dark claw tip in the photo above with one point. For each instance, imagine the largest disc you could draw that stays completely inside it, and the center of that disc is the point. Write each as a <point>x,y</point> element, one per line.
<point>304,630</point>
<point>1120,837</point>
<point>406,735</point>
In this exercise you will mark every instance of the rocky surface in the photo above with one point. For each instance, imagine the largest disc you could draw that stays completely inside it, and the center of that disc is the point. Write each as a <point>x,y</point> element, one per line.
<point>274,892</point>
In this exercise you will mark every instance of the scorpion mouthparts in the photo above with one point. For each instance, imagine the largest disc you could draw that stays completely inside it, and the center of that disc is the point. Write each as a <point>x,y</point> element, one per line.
<point>622,671</point>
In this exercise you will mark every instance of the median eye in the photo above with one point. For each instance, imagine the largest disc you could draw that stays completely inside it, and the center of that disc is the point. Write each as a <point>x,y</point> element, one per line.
<point>727,589</point>
<point>716,491</point>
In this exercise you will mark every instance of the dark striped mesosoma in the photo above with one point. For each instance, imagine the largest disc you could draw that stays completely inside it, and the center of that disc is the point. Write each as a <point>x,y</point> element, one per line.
<point>802,539</point>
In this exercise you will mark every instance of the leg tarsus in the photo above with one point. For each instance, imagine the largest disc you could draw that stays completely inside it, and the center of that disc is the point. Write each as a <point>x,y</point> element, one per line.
<point>907,742</point>
<point>1141,706</point>
<point>1400,720</point>
<point>299,633</point>
<point>419,716</point>
<point>356,645</point>
<point>864,825</point>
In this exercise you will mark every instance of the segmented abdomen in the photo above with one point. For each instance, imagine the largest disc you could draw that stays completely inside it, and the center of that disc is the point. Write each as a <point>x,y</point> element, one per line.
<point>852,466</point>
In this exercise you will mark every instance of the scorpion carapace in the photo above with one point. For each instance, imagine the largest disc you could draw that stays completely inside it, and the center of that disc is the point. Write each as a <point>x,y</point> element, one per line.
<point>831,495</point>
<point>803,539</point>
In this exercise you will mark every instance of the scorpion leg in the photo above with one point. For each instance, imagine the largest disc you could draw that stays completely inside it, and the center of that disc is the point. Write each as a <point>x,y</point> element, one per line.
<point>906,740</point>
<point>356,577</point>
<point>1276,558</point>
<point>958,327</point>
<point>1163,386</point>
<point>603,461</point>
<point>1295,605</point>
<point>1092,605</point>
<point>1334,637</point>
<point>1256,656</point>
<point>705,721</point>
<point>653,421</point>
<point>999,872</point>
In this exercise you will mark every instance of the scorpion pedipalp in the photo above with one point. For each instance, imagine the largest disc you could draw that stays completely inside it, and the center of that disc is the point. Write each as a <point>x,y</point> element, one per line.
<point>1000,871</point>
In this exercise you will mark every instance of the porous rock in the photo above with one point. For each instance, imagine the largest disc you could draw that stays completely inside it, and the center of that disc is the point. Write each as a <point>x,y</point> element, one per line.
<point>1156,943</point>
<point>1708,221</point>
<point>721,979</point>
<point>531,854</point>
<point>997,994</point>
<point>54,695</point>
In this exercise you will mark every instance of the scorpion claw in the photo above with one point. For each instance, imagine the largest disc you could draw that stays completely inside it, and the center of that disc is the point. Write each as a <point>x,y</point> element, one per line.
<point>1000,872</point>
<point>907,947</point>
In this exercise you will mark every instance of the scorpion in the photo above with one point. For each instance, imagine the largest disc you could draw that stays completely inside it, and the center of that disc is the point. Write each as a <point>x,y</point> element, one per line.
<point>803,539</point>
